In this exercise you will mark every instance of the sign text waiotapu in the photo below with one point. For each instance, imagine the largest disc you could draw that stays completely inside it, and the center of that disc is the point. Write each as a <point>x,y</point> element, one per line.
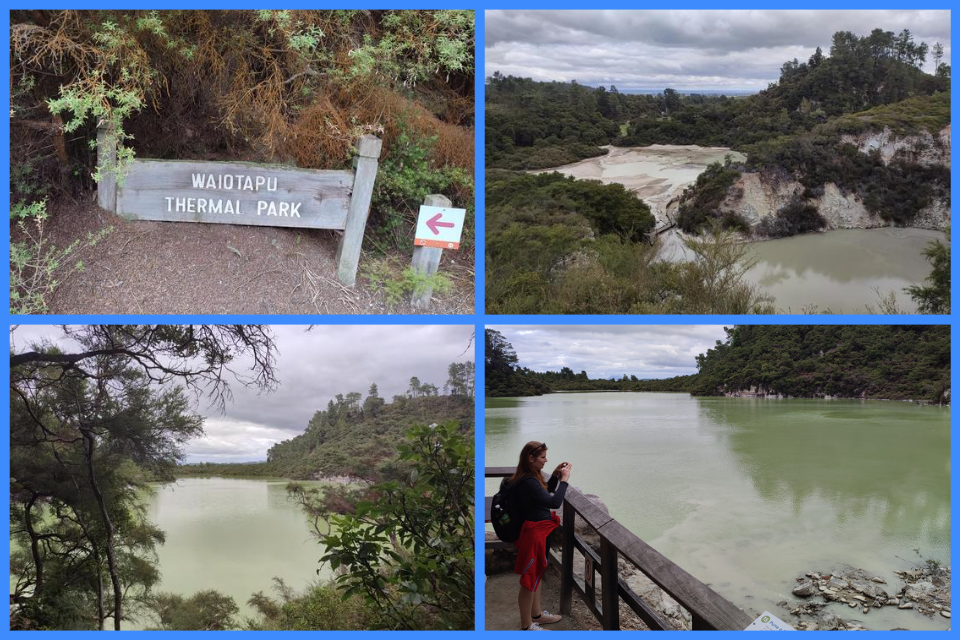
<point>247,193</point>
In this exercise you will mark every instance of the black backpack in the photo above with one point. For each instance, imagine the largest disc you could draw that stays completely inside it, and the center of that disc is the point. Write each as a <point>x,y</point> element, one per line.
<point>506,523</point>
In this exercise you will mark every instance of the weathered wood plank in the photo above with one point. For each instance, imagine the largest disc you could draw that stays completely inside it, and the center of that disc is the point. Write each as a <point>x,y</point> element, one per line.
<point>426,260</point>
<point>714,609</point>
<point>643,610</point>
<point>498,544</point>
<point>587,510</point>
<point>498,472</point>
<point>107,161</point>
<point>348,252</point>
<point>234,193</point>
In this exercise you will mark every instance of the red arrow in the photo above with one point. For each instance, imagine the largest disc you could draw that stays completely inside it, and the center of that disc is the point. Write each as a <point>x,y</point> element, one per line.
<point>434,222</point>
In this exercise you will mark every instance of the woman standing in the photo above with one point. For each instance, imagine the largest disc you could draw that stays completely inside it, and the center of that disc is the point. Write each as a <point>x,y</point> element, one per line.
<point>532,499</point>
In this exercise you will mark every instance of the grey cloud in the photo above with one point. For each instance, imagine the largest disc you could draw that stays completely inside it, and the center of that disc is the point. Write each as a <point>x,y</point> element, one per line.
<point>312,366</point>
<point>646,351</point>
<point>683,49</point>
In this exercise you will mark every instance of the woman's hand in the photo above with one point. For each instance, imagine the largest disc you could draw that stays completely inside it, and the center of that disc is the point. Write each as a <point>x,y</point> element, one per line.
<point>565,471</point>
<point>559,469</point>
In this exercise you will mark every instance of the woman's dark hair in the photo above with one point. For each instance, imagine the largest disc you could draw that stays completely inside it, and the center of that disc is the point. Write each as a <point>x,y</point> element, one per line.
<point>525,467</point>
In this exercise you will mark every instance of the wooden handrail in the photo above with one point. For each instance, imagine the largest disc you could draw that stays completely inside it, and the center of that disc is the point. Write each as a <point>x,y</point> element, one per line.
<point>709,610</point>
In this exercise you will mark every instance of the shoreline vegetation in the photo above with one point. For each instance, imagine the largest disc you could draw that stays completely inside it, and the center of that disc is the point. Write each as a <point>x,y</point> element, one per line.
<point>883,362</point>
<point>861,132</point>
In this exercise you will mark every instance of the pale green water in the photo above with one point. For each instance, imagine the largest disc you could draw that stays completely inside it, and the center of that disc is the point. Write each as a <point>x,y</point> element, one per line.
<point>842,271</point>
<point>232,535</point>
<point>747,494</point>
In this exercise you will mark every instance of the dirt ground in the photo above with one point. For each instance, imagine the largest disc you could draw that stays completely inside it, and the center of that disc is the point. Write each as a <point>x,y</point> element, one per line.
<point>185,268</point>
<point>502,614</point>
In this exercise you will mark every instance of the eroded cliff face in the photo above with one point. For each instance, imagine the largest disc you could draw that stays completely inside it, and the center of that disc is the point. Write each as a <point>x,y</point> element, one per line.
<point>925,149</point>
<point>755,196</point>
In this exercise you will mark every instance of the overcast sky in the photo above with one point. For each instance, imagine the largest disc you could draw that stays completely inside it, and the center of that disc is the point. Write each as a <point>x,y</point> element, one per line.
<point>312,368</point>
<point>685,50</point>
<point>645,351</point>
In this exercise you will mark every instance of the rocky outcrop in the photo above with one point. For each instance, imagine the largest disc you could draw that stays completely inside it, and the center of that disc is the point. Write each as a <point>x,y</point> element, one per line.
<point>758,195</point>
<point>926,590</point>
<point>923,148</point>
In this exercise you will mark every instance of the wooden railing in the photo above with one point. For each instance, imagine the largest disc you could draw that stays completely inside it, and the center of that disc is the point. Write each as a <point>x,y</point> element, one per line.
<point>708,609</point>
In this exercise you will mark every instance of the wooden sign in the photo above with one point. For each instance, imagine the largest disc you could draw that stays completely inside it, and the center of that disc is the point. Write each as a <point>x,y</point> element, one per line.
<point>246,193</point>
<point>235,193</point>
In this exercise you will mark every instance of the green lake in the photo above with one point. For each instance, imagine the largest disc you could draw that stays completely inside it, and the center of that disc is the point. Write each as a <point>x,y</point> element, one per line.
<point>748,494</point>
<point>232,535</point>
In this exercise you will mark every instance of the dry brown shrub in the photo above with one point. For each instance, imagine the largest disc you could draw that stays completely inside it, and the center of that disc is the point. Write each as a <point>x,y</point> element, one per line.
<point>243,93</point>
<point>324,133</point>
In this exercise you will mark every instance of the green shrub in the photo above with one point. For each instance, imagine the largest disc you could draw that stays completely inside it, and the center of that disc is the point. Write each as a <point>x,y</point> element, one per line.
<point>404,179</point>
<point>700,203</point>
<point>934,297</point>
<point>36,264</point>
<point>796,217</point>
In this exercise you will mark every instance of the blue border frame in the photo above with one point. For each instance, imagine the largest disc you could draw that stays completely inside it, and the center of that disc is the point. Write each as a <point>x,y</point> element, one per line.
<point>479,319</point>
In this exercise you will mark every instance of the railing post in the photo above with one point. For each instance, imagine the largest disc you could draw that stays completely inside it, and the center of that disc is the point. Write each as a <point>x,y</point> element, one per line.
<point>426,260</point>
<point>348,253</point>
<point>107,164</point>
<point>590,583</point>
<point>566,573</point>
<point>608,575</point>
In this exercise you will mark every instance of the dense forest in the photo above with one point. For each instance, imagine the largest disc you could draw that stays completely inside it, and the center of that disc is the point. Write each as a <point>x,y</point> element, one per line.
<point>292,87</point>
<point>92,426</point>
<point>895,362</point>
<point>578,259</point>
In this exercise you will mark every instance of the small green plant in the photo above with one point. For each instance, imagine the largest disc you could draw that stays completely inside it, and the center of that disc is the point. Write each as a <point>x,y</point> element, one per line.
<point>398,286</point>
<point>110,106</point>
<point>36,265</point>
<point>932,565</point>
<point>403,53</point>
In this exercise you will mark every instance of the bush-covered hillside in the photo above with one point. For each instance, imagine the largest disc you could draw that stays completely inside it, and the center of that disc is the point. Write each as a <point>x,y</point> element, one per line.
<point>350,438</point>
<point>896,362</point>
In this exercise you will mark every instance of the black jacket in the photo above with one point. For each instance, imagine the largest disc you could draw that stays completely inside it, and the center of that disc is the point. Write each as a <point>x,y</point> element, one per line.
<point>529,501</point>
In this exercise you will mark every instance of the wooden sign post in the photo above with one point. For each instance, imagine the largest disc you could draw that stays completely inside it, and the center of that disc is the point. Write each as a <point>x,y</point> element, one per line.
<point>245,193</point>
<point>434,233</point>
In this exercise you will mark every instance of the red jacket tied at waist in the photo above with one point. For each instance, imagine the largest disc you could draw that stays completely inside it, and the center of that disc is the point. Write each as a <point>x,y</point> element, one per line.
<point>532,551</point>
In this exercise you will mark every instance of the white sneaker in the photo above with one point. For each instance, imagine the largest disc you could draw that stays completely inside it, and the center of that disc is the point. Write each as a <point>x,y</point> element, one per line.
<point>548,618</point>
<point>535,627</point>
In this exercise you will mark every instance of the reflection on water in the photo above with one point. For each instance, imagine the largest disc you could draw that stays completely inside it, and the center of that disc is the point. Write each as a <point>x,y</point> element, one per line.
<point>747,494</point>
<point>843,270</point>
<point>822,436</point>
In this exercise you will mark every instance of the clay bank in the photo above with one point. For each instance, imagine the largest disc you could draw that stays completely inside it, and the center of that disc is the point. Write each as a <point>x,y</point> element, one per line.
<point>757,195</point>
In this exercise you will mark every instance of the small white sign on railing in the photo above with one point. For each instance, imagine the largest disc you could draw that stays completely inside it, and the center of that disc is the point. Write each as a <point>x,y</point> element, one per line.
<point>769,622</point>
